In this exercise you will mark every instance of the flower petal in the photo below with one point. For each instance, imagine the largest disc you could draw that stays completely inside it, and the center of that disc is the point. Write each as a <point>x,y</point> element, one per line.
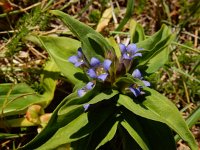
<point>146,83</point>
<point>106,64</point>
<point>89,85</point>
<point>137,54</point>
<point>77,64</point>
<point>103,76</point>
<point>94,62</point>
<point>86,106</point>
<point>122,48</point>
<point>137,74</point>
<point>125,56</point>
<point>135,91</point>
<point>73,59</point>
<point>81,92</point>
<point>92,73</point>
<point>132,48</point>
<point>80,53</point>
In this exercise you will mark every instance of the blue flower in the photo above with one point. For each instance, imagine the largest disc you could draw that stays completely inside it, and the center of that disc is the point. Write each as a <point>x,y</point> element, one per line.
<point>86,106</point>
<point>134,88</point>
<point>130,51</point>
<point>78,59</point>
<point>85,89</point>
<point>99,70</point>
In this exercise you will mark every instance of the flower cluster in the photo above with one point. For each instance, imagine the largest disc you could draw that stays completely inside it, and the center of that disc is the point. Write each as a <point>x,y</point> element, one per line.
<point>96,69</point>
<point>100,71</point>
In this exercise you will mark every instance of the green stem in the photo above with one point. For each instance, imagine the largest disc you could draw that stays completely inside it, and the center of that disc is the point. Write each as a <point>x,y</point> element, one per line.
<point>20,122</point>
<point>185,46</point>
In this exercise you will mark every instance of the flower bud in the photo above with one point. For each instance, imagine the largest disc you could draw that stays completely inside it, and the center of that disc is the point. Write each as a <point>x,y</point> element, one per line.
<point>44,119</point>
<point>33,113</point>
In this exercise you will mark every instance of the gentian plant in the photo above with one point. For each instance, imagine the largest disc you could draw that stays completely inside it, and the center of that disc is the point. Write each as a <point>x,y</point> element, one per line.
<point>112,105</point>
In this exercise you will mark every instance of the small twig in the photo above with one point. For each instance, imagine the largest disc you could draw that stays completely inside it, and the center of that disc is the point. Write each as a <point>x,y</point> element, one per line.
<point>51,31</point>
<point>19,11</point>
<point>36,52</point>
<point>192,35</point>
<point>115,20</point>
<point>196,38</point>
<point>184,84</point>
<point>187,47</point>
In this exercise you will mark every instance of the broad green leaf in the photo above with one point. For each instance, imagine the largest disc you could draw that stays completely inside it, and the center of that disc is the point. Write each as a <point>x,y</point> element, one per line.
<point>135,135</point>
<point>60,49</point>
<point>157,107</point>
<point>15,98</point>
<point>56,122</point>
<point>157,61</point>
<point>159,135</point>
<point>128,142</point>
<point>86,35</point>
<point>149,43</point>
<point>136,32</point>
<point>191,120</point>
<point>134,128</point>
<point>161,45</point>
<point>65,134</point>
<point>103,134</point>
<point>109,136</point>
<point>80,127</point>
<point>156,50</point>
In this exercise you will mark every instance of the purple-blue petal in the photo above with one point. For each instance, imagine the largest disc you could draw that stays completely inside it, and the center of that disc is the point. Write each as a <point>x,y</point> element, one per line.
<point>89,85</point>
<point>77,64</point>
<point>103,76</point>
<point>137,54</point>
<point>135,91</point>
<point>137,74</point>
<point>86,106</point>
<point>106,64</point>
<point>81,92</point>
<point>122,48</point>
<point>132,48</point>
<point>92,73</point>
<point>146,83</point>
<point>73,59</point>
<point>79,53</point>
<point>94,62</point>
<point>125,56</point>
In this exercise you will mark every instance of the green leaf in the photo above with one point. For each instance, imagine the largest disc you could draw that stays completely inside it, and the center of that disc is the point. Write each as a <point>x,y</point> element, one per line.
<point>103,134</point>
<point>89,37</point>
<point>191,120</point>
<point>79,127</point>
<point>157,107</point>
<point>158,61</point>
<point>15,98</point>
<point>109,135</point>
<point>60,49</point>
<point>155,53</point>
<point>158,134</point>
<point>56,122</point>
<point>136,32</point>
<point>115,46</point>
<point>134,128</point>
<point>129,13</point>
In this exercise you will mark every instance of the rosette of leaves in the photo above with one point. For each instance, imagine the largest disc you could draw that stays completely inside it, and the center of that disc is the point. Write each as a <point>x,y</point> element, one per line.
<point>112,105</point>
